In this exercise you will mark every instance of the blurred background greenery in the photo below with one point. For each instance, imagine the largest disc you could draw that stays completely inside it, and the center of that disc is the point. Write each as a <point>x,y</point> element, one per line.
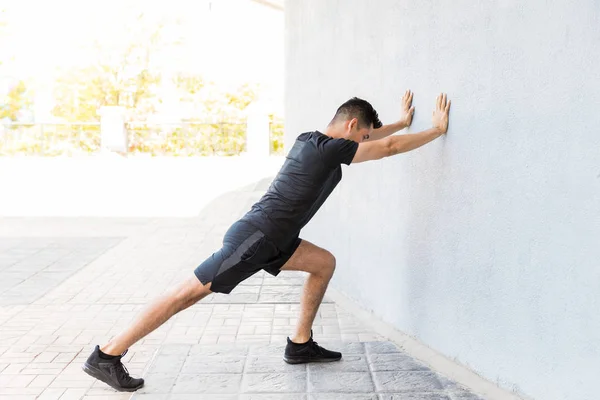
<point>176,102</point>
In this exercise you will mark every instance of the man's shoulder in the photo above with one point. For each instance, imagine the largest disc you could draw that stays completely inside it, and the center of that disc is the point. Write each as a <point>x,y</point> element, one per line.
<point>306,143</point>
<point>324,143</point>
<point>311,135</point>
<point>318,139</point>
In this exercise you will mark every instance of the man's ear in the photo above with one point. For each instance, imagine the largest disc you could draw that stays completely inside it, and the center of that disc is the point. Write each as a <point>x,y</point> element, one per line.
<point>353,123</point>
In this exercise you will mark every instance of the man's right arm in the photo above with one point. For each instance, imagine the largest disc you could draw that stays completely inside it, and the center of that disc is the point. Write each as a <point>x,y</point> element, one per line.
<point>393,145</point>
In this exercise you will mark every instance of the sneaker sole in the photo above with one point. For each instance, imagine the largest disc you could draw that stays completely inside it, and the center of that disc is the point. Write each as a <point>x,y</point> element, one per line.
<point>96,373</point>
<point>304,360</point>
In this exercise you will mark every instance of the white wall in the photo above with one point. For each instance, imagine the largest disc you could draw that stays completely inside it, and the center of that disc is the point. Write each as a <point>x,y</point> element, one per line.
<point>485,244</point>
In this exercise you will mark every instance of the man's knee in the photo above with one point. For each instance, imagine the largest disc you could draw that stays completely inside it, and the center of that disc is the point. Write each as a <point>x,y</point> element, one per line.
<point>190,292</point>
<point>329,263</point>
<point>312,259</point>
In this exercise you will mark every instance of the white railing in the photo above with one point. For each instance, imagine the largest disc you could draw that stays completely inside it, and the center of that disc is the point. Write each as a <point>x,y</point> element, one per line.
<point>177,138</point>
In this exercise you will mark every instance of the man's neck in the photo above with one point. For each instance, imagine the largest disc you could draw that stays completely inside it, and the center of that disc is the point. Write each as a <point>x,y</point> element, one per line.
<point>333,132</point>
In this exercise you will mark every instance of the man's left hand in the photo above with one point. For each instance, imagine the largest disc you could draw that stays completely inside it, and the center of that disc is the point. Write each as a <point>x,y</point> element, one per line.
<point>407,110</point>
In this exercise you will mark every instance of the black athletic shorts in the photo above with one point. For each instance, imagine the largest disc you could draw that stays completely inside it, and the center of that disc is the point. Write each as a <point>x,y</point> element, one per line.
<point>246,250</point>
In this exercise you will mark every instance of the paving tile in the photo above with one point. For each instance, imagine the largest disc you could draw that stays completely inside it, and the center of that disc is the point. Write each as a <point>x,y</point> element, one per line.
<point>16,381</point>
<point>274,382</point>
<point>41,278</point>
<point>42,381</point>
<point>200,397</point>
<point>200,364</point>
<point>271,364</point>
<point>219,350</point>
<point>370,337</point>
<point>285,281</point>
<point>209,383</point>
<point>414,396</point>
<point>348,363</point>
<point>160,382</point>
<point>274,350</point>
<point>462,394</point>
<point>167,363</point>
<point>150,396</point>
<point>174,349</point>
<point>253,339</point>
<point>234,298</point>
<point>12,392</point>
<point>52,394</point>
<point>342,396</point>
<point>381,348</point>
<point>346,382</point>
<point>277,396</point>
<point>14,368</point>
<point>399,381</point>
<point>395,362</point>
<point>73,394</point>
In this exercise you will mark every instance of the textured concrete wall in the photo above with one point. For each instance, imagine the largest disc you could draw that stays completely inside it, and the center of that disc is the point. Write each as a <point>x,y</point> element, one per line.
<point>485,244</point>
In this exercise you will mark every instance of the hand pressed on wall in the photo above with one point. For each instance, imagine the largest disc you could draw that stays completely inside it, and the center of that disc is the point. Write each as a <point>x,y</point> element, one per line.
<point>406,109</point>
<point>440,114</point>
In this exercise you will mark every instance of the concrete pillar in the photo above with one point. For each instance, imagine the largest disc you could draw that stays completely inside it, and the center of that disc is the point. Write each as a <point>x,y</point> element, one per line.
<point>258,142</point>
<point>112,129</point>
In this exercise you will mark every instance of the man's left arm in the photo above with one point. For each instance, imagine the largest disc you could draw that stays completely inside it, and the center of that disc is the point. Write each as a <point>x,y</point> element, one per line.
<point>406,115</point>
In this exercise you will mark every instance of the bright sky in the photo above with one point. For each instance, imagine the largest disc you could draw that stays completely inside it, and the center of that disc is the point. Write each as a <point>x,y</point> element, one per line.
<point>232,41</point>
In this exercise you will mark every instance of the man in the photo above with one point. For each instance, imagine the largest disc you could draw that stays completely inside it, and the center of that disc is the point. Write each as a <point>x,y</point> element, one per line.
<point>267,237</point>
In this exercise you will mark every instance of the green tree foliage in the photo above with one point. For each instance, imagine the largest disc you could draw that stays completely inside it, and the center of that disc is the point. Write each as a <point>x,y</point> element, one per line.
<point>126,73</point>
<point>277,131</point>
<point>241,97</point>
<point>189,84</point>
<point>206,100</point>
<point>215,123</point>
<point>80,94</point>
<point>15,101</point>
<point>122,76</point>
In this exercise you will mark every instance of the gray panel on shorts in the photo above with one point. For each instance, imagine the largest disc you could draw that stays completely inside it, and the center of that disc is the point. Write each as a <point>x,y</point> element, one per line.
<point>236,257</point>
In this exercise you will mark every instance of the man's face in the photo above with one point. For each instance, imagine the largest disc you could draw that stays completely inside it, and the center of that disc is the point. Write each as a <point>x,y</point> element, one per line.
<point>357,133</point>
<point>360,134</point>
<point>365,133</point>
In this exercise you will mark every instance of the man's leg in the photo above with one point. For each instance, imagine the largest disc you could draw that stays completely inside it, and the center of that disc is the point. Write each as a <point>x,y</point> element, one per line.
<point>320,264</point>
<point>221,272</point>
<point>157,313</point>
<point>105,364</point>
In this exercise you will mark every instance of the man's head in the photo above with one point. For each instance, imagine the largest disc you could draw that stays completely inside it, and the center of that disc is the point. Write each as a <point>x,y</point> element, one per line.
<point>355,120</point>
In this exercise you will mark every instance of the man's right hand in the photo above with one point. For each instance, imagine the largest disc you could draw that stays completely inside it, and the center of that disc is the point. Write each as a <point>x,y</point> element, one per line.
<point>440,114</point>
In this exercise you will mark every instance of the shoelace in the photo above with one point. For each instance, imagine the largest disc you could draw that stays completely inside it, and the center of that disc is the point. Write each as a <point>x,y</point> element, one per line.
<point>319,348</point>
<point>122,372</point>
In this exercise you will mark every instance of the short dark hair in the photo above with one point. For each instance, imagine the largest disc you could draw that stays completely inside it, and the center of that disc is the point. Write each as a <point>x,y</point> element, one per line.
<point>360,109</point>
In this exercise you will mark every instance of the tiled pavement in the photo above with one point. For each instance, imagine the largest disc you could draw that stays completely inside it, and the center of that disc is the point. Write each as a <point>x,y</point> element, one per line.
<point>68,284</point>
<point>369,370</point>
<point>31,267</point>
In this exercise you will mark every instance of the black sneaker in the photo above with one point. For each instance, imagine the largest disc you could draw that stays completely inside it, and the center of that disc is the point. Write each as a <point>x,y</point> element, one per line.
<point>112,372</point>
<point>308,352</point>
